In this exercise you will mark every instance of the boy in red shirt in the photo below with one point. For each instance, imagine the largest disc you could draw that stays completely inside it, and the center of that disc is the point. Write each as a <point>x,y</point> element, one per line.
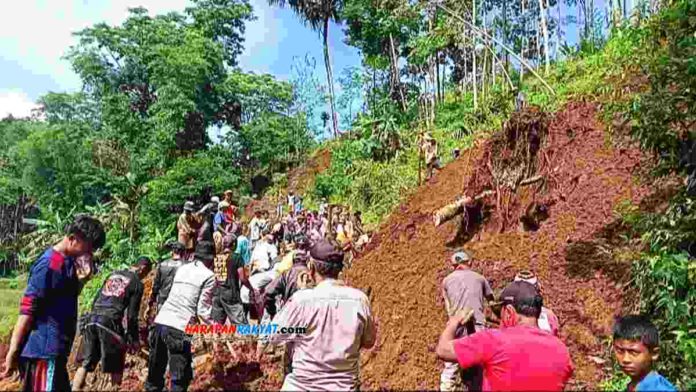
<point>519,356</point>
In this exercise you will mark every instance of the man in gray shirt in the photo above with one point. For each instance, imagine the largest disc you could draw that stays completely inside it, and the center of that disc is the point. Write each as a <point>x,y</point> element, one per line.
<point>464,288</point>
<point>190,298</point>
<point>338,323</point>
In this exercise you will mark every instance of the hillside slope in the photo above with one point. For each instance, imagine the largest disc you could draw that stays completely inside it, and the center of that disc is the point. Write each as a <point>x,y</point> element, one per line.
<point>408,261</point>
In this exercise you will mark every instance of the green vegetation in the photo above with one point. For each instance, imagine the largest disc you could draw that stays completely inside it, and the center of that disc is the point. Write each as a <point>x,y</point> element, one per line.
<point>11,291</point>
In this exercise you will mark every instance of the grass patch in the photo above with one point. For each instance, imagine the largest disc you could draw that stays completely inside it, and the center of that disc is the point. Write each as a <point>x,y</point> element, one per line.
<point>11,290</point>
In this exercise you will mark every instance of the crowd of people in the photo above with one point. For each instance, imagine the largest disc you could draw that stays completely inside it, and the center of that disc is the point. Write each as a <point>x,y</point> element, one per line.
<point>285,270</point>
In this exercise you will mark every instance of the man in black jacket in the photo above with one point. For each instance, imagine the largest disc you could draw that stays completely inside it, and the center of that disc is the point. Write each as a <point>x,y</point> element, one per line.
<point>103,336</point>
<point>285,285</point>
<point>164,278</point>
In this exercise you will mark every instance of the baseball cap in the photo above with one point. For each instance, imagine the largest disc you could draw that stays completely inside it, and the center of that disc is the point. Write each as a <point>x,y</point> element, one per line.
<point>326,252</point>
<point>188,206</point>
<point>460,256</point>
<point>215,199</point>
<point>520,295</point>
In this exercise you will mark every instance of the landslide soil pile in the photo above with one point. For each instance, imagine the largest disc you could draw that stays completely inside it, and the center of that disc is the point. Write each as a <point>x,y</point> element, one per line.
<point>299,181</point>
<point>584,177</point>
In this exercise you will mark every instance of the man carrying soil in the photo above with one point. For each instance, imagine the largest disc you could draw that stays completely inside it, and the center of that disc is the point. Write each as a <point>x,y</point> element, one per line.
<point>339,323</point>
<point>519,356</point>
<point>164,278</point>
<point>45,328</point>
<point>230,300</point>
<point>464,288</point>
<point>429,147</point>
<point>188,225</point>
<point>191,298</point>
<point>103,336</point>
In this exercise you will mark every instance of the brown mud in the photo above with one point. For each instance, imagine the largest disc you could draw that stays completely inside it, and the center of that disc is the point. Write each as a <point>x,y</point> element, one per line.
<point>585,178</point>
<point>300,180</point>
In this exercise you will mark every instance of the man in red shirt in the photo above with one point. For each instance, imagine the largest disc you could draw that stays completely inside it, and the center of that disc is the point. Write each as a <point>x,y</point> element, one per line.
<point>519,356</point>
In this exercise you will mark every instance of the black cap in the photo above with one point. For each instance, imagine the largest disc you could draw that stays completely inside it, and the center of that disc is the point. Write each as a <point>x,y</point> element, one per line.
<point>326,252</point>
<point>523,297</point>
<point>518,292</point>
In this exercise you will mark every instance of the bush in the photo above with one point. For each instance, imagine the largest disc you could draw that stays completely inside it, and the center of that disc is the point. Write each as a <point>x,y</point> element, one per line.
<point>667,285</point>
<point>192,178</point>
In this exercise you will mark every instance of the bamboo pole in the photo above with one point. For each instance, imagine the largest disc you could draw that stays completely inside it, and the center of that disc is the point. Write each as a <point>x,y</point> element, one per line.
<point>507,48</point>
<point>502,67</point>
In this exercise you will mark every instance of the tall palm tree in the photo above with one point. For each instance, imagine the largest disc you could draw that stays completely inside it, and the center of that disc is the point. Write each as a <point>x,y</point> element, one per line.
<point>317,14</point>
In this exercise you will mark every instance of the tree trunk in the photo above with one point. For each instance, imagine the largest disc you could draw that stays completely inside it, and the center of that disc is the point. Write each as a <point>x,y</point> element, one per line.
<point>464,76</point>
<point>444,78</point>
<point>473,54</point>
<point>558,32</point>
<point>329,77</point>
<point>524,41</point>
<point>505,36</point>
<point>545,34</point>
<point>431,72</point>
<point>484,69</point>
<point>396,80</point>
<point>438,98</point>
<point>374,88</point>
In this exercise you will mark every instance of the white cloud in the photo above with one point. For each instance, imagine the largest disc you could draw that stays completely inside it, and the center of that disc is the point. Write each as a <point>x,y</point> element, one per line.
<point>38,33</point>
<point>16,103</point>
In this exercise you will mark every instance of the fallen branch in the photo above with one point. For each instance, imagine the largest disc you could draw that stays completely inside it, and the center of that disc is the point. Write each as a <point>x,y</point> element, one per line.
<point>449,211</point>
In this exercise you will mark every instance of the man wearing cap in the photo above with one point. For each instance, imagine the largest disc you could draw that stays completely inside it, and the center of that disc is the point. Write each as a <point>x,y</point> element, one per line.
<point>339,323</point>
<point>205,233</point>
<point>464,288</point>
<point>164,277</point>
<point>547,319</point>
<point>188,225</point>
<point>190,298</point>
<point>104,338</point>
<point>519,356</point>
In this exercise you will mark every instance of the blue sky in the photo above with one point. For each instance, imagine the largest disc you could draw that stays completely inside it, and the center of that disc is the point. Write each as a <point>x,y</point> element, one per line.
<point>34,35</point>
